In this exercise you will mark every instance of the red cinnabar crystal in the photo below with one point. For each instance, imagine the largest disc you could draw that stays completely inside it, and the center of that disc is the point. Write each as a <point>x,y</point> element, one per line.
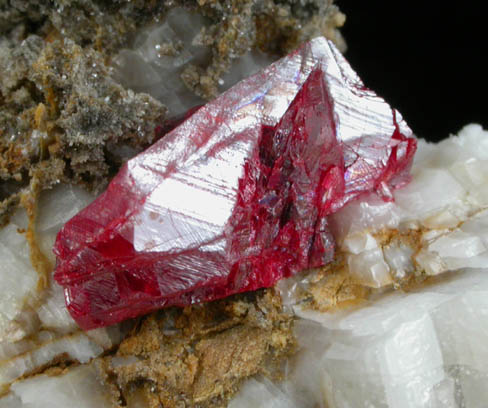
<point>237,196</point>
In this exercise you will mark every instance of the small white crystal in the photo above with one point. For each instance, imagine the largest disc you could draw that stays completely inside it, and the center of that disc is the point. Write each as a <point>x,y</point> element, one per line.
<point>357,243</point>
<point>148,68</point>
<point>78,347</point>
<point>431,190</point>
<point>362,216</point>
<point>17,277</point>
<point>58,205</point>
<point>53,313</point>
<point>430,262</point>
<point>458,244</point>
<point>398,256</point>
<point>257,391</point>
<point>79,387</point>
<point>245,66</point>
<point>369,268</point>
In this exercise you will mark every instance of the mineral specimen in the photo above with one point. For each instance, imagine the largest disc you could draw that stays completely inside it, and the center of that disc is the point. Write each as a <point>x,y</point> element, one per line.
<point>424,348</point>
<point>236,197</point>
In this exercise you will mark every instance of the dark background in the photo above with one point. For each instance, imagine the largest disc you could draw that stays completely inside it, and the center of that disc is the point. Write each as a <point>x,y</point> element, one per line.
<point>425,58</point>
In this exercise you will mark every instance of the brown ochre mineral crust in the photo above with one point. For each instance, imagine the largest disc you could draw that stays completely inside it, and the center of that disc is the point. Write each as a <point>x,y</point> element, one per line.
<point>197,356</point>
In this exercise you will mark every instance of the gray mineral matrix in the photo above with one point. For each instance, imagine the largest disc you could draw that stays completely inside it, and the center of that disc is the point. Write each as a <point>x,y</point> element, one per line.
<point>71,108</point>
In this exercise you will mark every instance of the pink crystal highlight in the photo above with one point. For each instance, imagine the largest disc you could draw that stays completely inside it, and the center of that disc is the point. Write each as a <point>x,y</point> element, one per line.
<point>237,196</point>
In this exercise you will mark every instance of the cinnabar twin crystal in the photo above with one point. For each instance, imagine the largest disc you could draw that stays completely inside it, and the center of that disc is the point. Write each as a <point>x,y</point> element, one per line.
<point>237,196</point>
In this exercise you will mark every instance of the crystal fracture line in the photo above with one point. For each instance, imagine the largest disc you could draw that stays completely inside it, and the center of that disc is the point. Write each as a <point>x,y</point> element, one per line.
<point>237,196</point>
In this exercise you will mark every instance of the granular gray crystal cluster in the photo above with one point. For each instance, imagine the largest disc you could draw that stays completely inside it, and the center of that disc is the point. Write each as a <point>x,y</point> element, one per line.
<point>67,114</point>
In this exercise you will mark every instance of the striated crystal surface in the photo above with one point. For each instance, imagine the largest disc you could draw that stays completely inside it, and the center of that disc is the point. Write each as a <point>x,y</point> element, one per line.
<point>238,195</point>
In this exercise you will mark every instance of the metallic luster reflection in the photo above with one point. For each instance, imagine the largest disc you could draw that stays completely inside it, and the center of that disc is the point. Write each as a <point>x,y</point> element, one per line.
<point>237,196</point>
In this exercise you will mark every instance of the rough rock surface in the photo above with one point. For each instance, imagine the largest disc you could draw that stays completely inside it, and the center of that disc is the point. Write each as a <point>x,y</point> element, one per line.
<point>199,355</point>
<point>426,343</point>
<point>62,113</point>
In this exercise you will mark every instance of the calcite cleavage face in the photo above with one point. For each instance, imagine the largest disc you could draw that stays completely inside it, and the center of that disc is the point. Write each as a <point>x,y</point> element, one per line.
<point>237,196</point>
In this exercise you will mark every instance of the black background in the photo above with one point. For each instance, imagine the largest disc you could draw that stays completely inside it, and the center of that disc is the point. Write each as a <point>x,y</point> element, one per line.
<point>425,58</point>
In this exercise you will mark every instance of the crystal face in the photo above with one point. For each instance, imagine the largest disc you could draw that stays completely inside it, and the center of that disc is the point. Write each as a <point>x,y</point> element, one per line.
<point>237,196</point>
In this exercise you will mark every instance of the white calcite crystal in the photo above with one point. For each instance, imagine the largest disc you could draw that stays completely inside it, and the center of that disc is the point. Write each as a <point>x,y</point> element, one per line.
<point>35,327</point>
<point>77,387</point>
<point>154,64</point>
<point>424,348</point>
<point>436,223</point>
<point>22,305</point>
<point>402,350</point>
<point>18,279</point>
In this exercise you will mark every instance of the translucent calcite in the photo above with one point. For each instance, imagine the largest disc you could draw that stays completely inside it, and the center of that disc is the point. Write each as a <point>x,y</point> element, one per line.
<point>36,330</point>
<point>237,196</point>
